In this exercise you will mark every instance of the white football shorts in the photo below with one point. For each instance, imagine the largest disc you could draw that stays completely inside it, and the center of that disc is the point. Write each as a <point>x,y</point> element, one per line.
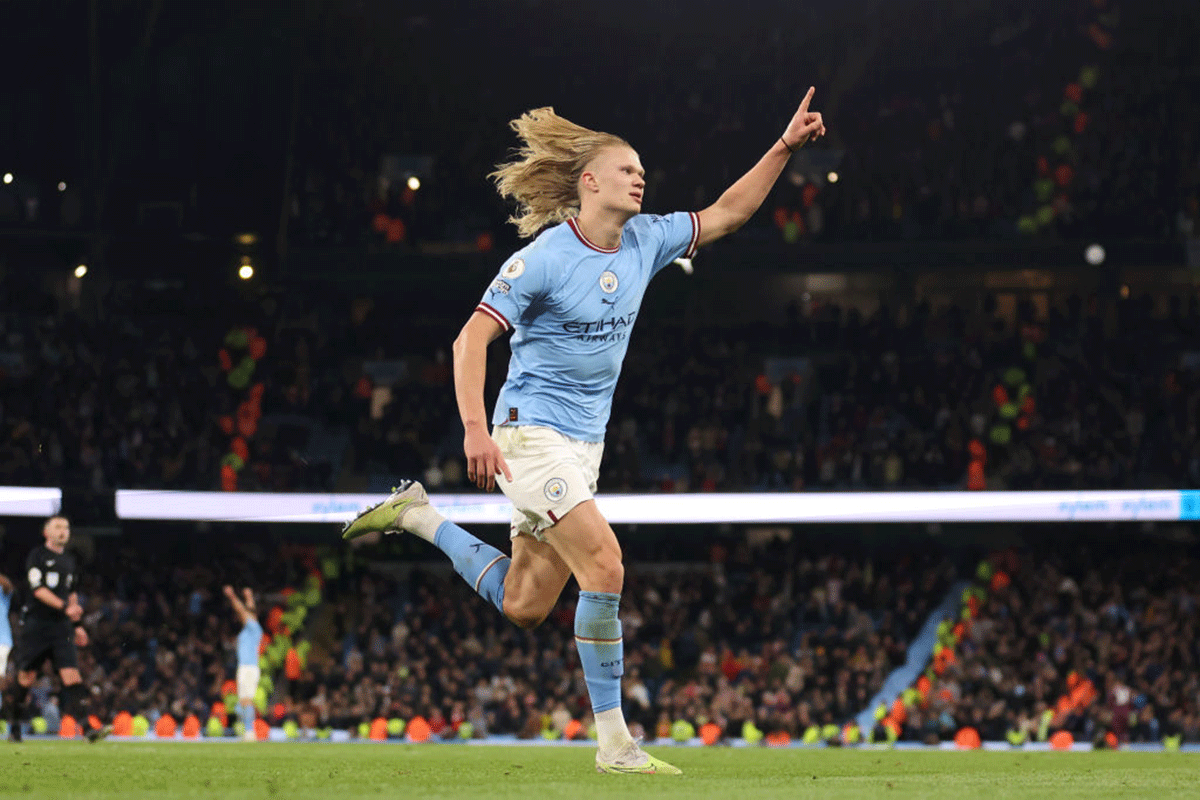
<point>247,681</point>
<point>552,474</point>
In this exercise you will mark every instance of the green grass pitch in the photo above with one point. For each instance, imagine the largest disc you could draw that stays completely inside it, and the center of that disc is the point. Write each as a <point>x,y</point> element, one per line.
<point>129,770</point>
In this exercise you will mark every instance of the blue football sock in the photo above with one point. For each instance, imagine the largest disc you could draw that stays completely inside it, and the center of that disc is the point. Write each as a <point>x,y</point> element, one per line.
<point>246,715</point>
<point>601,649</point>
<point>482,566</point>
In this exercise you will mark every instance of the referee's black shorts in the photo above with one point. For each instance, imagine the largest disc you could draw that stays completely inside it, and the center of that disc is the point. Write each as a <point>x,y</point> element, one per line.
<point>38,641</point>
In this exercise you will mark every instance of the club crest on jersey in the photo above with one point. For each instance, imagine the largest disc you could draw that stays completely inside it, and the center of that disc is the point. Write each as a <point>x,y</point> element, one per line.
<point>608,282</point>
<point>556,489</point>
<point>513,269</point>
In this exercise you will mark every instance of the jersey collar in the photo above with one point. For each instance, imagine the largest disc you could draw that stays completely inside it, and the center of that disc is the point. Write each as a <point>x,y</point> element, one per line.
<point>588,242</point>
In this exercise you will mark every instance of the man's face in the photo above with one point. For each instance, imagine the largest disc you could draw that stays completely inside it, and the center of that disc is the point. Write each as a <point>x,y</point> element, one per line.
<point>619,179</point>
<point>57,532</point>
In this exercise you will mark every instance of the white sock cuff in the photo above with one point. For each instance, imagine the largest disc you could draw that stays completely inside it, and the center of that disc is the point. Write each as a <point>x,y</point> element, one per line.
<point>424,521</point>
<point>612,733</point>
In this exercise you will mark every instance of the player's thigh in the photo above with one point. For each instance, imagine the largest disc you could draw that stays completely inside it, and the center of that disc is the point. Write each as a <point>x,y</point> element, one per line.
<point>588,546</point>
<point>535,578</point>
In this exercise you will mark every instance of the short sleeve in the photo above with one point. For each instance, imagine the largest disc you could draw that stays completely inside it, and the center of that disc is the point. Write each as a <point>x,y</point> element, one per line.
<point>519,284</point>
<point>672,236</point>
<point>35,571</point>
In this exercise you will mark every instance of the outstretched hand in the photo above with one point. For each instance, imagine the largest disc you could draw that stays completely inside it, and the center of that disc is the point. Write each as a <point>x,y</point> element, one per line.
<point>805,124</point>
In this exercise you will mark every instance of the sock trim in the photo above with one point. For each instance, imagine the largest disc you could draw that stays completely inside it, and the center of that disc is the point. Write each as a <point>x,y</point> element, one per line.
<point>589,640</point>
<point>493,563</point>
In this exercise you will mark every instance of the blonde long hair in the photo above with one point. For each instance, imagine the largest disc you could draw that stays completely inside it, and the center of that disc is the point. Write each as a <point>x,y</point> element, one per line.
<point>544,176</point>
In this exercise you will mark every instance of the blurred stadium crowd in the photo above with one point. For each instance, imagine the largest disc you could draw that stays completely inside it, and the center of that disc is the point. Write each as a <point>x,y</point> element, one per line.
<point>829,397</point>
<point>786,638</point>
<point>1053,119</point>
<point>1068,139</point>
<point>832,399</point>
<point>1090,640</point>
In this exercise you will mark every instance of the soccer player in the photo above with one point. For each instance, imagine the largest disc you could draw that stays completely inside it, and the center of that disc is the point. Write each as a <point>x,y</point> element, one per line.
<point>6,640</point>
<point>50,628</point>
<point>571,297</point>
<point>248,671</point>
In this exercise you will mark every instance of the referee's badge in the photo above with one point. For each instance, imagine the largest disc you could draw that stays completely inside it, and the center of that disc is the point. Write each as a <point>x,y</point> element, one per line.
<point>556,489</point>
<point>608,282</point>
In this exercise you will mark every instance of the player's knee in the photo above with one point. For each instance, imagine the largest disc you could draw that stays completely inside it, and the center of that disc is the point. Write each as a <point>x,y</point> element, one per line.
<point>614,575</point>
<point>525,620</point>
<point>524,615</point>
<point>605,574</point>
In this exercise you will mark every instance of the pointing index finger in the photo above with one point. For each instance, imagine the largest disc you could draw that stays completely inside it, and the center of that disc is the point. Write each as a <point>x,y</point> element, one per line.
<point>807,99</point>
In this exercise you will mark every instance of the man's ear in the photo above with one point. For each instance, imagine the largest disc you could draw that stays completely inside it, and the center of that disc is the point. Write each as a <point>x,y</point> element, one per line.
<point>588,182</point>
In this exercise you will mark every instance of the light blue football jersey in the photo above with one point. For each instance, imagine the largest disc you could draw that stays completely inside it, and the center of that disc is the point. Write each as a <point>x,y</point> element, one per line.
<point>572,306</point>
<point>247,644</point>
<point>5,626</point>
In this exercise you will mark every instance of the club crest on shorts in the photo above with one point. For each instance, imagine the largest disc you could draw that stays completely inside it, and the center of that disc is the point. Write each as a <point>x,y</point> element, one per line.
<point>513,269</point>
<point>608,281</point>
<point>555,489</point>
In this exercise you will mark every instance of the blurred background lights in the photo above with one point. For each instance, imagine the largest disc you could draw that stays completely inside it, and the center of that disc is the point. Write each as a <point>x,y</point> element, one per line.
<point>62,186</point>
<point>414,182</point>
<point>832,177</point>
<point>8,177</point>
<point>1094,254</point>
<point>81,270</point>
<point>246,271</point>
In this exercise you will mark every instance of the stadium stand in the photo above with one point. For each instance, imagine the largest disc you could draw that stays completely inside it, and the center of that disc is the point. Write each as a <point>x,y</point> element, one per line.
<point>829,400</point>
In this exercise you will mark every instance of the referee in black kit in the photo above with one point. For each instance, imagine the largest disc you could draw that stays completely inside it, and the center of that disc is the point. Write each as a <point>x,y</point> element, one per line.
<point>50,628</point>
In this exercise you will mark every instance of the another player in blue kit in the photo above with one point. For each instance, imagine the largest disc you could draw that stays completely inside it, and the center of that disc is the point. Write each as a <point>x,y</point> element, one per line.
<point>248,671</point>
<point>571,298</point>
<point>6,638</point>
